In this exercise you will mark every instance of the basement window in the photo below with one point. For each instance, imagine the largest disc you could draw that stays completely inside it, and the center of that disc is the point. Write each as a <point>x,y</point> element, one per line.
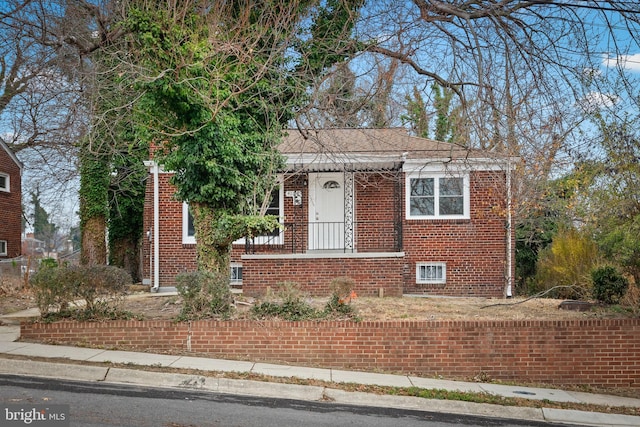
<point>236,274</point>
<point>3,248</point>
<point>431,273</point>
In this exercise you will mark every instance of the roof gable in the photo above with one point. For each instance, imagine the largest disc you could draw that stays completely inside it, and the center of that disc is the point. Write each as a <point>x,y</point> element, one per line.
<point>11,154</point>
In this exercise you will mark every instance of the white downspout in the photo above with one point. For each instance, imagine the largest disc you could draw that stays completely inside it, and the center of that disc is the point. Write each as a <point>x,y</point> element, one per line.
<point>156,228</point>
<point>154,267</point>
<point>509,232</point>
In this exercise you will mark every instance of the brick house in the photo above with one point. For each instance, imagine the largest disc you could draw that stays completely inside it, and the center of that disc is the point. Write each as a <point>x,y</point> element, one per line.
<point>10,203</point>
<point>395,213</point>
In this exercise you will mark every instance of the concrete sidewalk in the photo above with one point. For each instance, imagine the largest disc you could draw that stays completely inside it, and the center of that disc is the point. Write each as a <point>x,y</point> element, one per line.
<point>9,346</point>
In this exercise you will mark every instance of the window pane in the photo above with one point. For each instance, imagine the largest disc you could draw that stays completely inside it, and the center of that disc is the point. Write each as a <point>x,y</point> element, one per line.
<point>422,206</point>
<point>451,200</point>
<point>422,187</point>
<point>451,186</point>
<point>191,230</point>
<point>3,182</point>
<point>451,206</point>
<point>274,209</point>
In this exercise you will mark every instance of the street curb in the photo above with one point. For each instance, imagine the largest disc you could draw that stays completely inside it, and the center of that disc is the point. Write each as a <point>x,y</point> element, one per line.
<point>302,392</point>
<point>260,389</point>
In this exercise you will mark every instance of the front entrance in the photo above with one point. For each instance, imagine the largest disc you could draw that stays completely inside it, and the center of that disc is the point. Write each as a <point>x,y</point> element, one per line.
<point>326,211</point>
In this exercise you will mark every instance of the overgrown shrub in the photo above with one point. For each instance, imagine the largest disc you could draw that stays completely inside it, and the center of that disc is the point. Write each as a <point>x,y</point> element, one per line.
<point>204,294</point>
<point>341,295</point>
<point>631,299</point>
<point>564,267</point>
<point>52,291</point>
<point>288,303</point>
<point>608,284</point>
<point>86,292</point>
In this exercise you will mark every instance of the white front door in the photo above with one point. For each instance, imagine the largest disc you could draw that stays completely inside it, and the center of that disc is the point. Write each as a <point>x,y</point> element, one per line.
<point>326,211</point>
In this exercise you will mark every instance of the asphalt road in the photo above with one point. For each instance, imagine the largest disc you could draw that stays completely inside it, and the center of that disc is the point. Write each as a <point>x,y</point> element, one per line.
<point>94,404</point>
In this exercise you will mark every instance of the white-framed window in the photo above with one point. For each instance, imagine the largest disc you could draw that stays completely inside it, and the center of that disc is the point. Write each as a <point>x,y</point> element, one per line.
<point>236,273</point>
<point>3,248</point>
<point>437,196</point>
<point>275,208</point>
<point>431,273</point>
<point>5,184</point>
<point>188,230</point>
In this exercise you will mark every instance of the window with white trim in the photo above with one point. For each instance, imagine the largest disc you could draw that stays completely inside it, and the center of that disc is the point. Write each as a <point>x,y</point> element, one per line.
<point>4,182</point>
<point>437,196</point>
<point>3,248</point>
<point>431,273</point>
<point>188,229</point>
<point>274,208</point>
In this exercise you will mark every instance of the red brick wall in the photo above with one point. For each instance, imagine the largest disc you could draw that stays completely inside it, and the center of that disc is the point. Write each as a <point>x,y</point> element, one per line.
<point>11,207</point>
<point>314,275</point>
<point>473,249</point>
<point>599,353</point>
<point>175,257</point>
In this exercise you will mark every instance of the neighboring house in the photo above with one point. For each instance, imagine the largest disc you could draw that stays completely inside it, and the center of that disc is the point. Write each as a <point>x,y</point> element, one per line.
<point>395,213</point>
<point>10,203</point>
<point>32,246</point>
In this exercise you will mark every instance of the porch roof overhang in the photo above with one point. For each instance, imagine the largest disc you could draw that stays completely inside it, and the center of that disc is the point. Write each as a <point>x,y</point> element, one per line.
<point>337,162</point>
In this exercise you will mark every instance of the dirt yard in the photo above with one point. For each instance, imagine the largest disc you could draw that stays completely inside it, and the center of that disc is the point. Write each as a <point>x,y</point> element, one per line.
<point>14,297</point>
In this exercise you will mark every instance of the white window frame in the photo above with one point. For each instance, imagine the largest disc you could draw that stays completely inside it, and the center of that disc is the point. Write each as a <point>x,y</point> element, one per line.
<point>187,239</point>
<point>437,176</point>
<point>190,239</point>
<point>7,182</point>
<point>3,248</point>
<point>431,281</point>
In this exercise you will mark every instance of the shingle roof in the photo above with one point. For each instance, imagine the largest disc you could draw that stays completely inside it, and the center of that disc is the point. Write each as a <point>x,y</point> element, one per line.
<point>389,141</point>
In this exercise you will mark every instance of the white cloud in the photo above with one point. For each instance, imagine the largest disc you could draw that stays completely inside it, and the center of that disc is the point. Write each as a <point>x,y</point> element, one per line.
<point>594,101</point>
<point>626,62</point>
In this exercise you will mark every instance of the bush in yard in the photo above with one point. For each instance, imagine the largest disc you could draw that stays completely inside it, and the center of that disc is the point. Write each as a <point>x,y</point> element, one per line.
<point>563,267</point>
<point>51,290</point>
<point>96,291</point>
<point>608,284</point>
<point>287,304</point>
<point>204,294</point>
<point>341,295</point>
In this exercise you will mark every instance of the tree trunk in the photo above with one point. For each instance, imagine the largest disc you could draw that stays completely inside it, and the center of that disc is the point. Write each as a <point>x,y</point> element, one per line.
<point>124,253</point>
<point>213,245</point>
<point>93,234</point>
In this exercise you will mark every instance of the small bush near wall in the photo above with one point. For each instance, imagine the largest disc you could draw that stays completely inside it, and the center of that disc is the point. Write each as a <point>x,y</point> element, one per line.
<point>95,291</point>
<point>205,294</point>
<point>609,286</point>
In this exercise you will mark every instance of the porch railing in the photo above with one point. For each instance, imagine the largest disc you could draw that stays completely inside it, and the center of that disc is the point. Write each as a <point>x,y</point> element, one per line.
<point>303,237</point>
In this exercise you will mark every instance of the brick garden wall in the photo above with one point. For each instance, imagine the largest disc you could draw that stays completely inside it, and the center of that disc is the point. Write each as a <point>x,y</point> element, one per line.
<point>599,353</point>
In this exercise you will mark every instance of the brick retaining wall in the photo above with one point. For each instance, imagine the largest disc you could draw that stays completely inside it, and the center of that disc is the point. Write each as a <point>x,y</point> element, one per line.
<point>599,353</point>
